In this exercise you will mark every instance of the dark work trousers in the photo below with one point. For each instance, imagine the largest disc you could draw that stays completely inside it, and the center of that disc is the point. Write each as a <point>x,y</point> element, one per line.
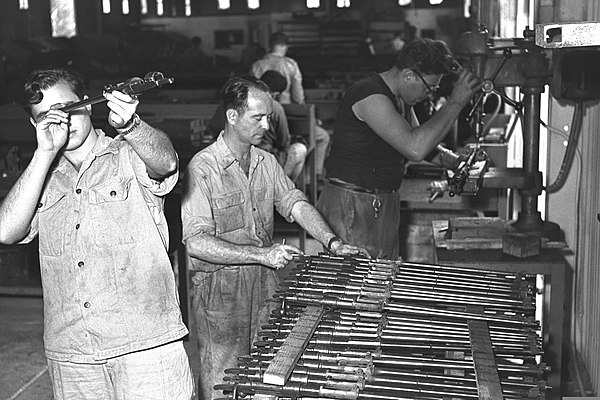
<point>368,220</point>
<point>230,305</point>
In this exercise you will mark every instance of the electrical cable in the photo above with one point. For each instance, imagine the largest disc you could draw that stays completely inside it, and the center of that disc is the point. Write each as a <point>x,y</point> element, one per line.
<point>571,150</point>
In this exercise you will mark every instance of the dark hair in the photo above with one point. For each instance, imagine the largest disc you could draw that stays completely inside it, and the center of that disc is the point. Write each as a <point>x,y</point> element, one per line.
<point>43,79</point>
<point>277,38</point>
<point>234,95</point>
<point>275,80</point>
<point>432,57</point>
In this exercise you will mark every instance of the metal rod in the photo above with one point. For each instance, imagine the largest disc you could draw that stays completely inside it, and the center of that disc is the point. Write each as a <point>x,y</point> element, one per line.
<point>132,87</point>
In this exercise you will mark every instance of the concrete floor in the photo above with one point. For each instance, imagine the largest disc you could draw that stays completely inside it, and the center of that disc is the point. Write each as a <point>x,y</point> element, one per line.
<point>22,363</point>
<point>23,373</point>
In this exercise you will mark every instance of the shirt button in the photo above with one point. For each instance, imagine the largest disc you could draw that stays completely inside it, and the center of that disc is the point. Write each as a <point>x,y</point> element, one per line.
<point>80,264</point>
<point>40,205</point>
<point>87,304</point>
<point>77,226</point>
<point>113,193</point>
<point>78,191</point>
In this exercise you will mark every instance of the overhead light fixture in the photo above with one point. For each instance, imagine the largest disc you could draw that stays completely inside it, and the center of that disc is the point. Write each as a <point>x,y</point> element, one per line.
<point>435,2</point>
<point>403,3</point>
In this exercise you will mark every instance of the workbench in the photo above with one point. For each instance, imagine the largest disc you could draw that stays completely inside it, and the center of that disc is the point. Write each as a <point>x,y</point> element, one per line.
<point>415,195</point>
<point>550,264</point>
<point>417,212</point>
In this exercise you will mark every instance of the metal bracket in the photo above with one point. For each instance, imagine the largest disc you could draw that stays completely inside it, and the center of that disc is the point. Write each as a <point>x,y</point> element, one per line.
<point>570,34</point>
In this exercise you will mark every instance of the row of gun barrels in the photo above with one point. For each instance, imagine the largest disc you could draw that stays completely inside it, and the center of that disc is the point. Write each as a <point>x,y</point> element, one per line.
<point>396,330</point>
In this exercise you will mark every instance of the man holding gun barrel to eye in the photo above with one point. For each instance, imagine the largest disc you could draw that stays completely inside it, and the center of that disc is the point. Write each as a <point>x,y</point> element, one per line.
<point>112,326</point>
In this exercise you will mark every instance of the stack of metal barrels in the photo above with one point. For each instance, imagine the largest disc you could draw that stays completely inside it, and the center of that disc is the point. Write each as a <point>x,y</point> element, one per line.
<point>357,328</point>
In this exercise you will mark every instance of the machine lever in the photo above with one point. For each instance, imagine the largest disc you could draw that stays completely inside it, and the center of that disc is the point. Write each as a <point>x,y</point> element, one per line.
<point>488,86</point>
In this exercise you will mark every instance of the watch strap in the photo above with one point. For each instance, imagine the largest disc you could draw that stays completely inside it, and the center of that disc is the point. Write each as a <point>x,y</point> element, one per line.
<point>133,123</point>
<point>332,241</point>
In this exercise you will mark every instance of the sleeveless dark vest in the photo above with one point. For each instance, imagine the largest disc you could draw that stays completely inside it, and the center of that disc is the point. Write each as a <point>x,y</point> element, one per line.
<point>358,155</point>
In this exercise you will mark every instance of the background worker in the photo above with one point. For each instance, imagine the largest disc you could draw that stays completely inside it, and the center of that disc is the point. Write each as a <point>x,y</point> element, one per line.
<point>276,60</point>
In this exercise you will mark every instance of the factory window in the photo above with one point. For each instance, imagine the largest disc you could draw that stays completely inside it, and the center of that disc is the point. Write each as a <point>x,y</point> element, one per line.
<point>144,7</point>
<point>125,6</point>
<point>224,4</point>
<point>403,3</point>
<point>62,17</point>
<point>343,3</point>
<point>160,7</point>
<point>106,6</point>
<point>188,8</point>
<point>313,3</point>
<point>23,4</point>
<point>253,4</point>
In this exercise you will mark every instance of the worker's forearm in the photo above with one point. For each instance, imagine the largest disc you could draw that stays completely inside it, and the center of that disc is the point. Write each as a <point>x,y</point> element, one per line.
<point>20,204</point>
<point>155,149</point>
<point>217,251</point>
<point>312,222</point>
<point>433,131</point>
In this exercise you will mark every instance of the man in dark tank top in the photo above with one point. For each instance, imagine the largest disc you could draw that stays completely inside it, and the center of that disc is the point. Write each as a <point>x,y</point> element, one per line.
<point>376,133</point>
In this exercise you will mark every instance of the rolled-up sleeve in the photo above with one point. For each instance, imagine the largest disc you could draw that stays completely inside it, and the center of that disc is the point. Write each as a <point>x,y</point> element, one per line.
<point>287,203</point>
<point>286,194</point>
<point>156,187</point>
<point>196,210</point>
<point>33,231</point>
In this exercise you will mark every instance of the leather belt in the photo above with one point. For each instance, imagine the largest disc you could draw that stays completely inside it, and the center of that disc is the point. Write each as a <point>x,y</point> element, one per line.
<point>359,189</point>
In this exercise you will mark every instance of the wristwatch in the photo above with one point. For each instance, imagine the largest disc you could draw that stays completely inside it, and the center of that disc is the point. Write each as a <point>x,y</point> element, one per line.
<point>332,241</point>
<point>133,123</point>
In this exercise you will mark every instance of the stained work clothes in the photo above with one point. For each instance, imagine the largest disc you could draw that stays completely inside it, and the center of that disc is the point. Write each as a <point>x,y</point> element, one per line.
<point>108,283</point>
<point>230,301</point>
